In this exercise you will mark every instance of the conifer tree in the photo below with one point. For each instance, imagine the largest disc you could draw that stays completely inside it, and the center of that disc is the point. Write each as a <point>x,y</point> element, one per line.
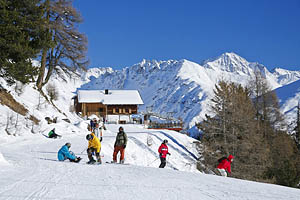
<point>285,169</point>
<point>232,130</point>
<point>20,25</point>
<point>268,115</point>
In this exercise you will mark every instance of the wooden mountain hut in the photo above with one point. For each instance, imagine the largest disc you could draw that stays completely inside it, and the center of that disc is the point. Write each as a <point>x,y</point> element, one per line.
<point>107,102</point>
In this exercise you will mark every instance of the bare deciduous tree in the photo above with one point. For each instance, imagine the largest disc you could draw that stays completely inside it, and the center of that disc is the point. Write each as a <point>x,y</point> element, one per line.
<point>68,46</point>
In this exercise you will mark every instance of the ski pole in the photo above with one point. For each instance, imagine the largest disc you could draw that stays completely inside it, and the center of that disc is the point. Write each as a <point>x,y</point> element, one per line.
<point>83,150</point>
<point>152,161</point>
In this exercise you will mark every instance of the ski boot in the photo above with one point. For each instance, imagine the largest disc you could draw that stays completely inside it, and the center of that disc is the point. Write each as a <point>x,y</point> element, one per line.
<point>91,162</point>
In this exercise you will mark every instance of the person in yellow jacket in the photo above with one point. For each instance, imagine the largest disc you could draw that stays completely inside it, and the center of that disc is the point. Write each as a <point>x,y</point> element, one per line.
<point>94,147</point>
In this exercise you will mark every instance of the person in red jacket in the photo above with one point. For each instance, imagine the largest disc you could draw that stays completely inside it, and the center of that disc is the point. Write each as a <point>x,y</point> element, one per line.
<point>225,165</point>
<point>163,151</point>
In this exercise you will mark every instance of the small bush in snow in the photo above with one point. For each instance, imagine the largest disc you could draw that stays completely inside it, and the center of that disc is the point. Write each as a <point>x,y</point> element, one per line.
<point>19,88</point>
<point>52,92</point>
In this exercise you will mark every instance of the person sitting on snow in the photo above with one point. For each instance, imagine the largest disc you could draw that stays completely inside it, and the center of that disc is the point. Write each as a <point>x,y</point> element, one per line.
<point>224,165</point>
<point>52,134</point>
<point>163,152</point>
<point>65,153</point>
<point>93,147</point>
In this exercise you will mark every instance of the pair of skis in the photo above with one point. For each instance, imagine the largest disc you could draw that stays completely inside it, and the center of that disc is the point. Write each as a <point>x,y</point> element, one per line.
<point>96,163</point>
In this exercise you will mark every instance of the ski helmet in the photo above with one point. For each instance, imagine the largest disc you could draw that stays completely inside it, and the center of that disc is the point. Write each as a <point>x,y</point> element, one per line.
<point>89,137</point>
<point>68,144</point>
<point>165,141</point>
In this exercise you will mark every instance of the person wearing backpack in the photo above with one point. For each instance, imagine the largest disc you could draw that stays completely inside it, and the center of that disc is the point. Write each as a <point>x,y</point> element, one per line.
<point>120,145</point>
<point>225,165</point>
<point>163,152</point>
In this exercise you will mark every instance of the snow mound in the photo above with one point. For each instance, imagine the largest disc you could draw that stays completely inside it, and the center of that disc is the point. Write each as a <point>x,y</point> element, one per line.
<point>2,160</point>
<point>82,124</point>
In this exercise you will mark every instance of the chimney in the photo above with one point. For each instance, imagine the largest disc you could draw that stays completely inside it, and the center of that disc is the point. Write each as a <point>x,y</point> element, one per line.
<point>106,91</point>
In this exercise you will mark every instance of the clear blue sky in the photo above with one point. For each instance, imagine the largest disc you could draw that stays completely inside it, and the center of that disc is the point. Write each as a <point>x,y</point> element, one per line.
<point>123,32</point>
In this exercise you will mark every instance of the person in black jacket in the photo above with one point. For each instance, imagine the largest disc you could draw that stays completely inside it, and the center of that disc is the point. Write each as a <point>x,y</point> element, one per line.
<point>120,145</point>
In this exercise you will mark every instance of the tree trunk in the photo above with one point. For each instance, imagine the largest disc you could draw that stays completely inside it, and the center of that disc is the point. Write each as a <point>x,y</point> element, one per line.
<point>51,67</point>
<point>39,82</point>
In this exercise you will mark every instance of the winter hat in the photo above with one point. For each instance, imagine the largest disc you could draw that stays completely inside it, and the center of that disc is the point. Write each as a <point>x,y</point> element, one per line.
<point>230,157</point>
<point>68,144</point>
<point>121,128</point>
<point>165,141</point>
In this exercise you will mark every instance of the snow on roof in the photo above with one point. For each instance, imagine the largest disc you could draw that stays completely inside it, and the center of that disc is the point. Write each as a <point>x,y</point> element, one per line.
<point>114,97</point>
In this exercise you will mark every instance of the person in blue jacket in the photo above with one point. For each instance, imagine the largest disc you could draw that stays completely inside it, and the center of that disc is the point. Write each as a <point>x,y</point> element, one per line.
<point>64,153</point>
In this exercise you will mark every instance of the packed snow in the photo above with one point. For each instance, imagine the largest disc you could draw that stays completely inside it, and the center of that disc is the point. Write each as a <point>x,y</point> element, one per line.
<point>34,172</point>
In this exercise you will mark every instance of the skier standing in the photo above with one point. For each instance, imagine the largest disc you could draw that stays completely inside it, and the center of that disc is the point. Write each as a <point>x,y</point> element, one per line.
<point>93,123</point>
<point>65,153</point>
<point>120,145</point>
<point>93,147</point>
<point>225,165</point>
<point>98,131</point>
<point>163,151</point>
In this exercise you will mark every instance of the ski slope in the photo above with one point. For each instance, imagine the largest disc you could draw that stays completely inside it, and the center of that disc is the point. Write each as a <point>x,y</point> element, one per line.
<point>29,170</point>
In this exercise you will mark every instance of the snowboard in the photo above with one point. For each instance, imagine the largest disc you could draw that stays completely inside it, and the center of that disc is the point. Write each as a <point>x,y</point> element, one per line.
<point>116,163</point>
<point>93,163</point>
<point>79,159</point>
<point>58,137</point>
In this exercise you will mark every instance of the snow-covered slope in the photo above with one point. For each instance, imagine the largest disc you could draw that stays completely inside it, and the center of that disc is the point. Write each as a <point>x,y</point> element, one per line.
<point>289,97</point>
<point>37,106</point>
<point>29,162</point>
<point>33,172</point>
<point>284,76</point>
<point>184,88</point>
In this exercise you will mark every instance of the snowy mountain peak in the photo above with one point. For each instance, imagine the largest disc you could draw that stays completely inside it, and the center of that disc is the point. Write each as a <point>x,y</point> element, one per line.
<point>284,76</point>
<point>183,87</point>
<point>229,62</point>
<point>150,66</point>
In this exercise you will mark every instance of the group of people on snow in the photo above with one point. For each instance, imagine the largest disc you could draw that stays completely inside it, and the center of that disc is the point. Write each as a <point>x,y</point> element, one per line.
<point>94,145</point>
<point>94,148</point>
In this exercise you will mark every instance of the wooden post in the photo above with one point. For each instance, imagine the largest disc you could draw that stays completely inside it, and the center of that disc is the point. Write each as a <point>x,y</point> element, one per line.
<point>105,113</point>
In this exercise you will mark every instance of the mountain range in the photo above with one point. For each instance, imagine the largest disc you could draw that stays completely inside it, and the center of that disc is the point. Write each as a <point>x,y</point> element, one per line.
<point>183,88</point>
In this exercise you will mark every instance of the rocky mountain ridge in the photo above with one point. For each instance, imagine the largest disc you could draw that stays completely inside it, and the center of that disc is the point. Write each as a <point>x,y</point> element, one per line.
<point>184,88</point>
